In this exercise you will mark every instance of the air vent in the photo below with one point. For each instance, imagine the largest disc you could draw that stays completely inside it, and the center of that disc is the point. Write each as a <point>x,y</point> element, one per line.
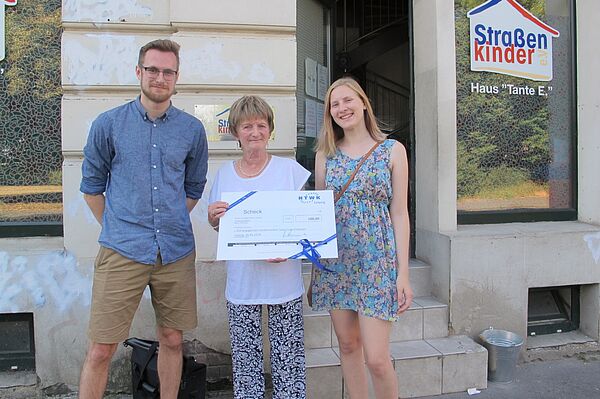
<point>17,346</point>
<point>553,310</point>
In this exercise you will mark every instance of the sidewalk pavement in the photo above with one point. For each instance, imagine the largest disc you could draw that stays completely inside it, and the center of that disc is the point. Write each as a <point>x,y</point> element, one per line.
<point>575,376</point>
<point>570,378</point>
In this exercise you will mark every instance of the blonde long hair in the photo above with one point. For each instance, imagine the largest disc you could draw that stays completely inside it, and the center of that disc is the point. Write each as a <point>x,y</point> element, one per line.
<point>331,132</point>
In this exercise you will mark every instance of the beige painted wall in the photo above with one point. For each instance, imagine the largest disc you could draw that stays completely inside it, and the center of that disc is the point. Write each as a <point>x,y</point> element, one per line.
<point>435,135</point>
<point>227,50</point>
<point>588,110</point>
<point>493,267</point>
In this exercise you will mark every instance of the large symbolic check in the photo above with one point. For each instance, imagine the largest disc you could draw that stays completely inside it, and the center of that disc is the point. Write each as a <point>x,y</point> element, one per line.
<point>277,224</point>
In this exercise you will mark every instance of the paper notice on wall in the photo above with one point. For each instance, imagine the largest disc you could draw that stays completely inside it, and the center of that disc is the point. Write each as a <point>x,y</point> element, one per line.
<point>310,118</point>
<point>322,81</point>
<point>320,110</point>
<point>310,74</point>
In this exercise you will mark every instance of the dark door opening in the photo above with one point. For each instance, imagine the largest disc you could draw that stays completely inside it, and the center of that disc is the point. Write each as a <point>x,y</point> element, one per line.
<point>371,42</point>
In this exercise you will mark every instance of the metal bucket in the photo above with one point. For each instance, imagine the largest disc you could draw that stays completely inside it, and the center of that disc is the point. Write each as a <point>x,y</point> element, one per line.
<point>503,352</point>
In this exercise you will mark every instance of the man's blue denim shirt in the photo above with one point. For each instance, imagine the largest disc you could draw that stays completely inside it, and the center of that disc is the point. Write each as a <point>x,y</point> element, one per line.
<point>146,170</point>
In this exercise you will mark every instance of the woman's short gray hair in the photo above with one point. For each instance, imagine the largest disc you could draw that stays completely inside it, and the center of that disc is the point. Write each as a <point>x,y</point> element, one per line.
<point>246,108</point>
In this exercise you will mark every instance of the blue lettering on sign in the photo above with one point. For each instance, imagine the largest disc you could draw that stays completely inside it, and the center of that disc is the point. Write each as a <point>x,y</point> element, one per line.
<point>519,38</point>
<point>487,35</point>
<point>480,31</point>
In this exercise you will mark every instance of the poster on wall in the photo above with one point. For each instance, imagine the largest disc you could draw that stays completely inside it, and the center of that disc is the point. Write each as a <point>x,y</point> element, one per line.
<point>310,118</point>
<point>310,77</point>
<point>323,81</point>
<point>215,117</point>
<point>320,113</point>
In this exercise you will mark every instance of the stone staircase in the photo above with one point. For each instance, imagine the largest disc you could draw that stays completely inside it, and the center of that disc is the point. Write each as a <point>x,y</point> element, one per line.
<point>427,361</point>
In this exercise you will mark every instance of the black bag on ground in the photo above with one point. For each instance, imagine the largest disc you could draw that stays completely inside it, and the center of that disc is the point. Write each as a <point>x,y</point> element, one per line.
<point>144,372</point>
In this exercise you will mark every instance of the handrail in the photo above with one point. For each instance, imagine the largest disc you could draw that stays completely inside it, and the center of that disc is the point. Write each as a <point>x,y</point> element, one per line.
<point>389,99</point>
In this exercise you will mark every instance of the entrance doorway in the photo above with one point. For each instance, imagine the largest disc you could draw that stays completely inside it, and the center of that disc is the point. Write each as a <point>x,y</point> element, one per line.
<point>370,41</point>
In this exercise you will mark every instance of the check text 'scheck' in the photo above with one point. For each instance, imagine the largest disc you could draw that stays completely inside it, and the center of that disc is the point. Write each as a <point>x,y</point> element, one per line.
<point>271,224</point>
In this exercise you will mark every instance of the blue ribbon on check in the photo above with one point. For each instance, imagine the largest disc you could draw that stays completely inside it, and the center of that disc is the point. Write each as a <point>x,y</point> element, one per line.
<point>241,199</point>
<point>309,250</point>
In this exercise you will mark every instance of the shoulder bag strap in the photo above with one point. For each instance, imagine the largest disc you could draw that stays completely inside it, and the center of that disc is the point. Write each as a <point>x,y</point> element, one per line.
<point>151,353</point>
<point>364,158</point>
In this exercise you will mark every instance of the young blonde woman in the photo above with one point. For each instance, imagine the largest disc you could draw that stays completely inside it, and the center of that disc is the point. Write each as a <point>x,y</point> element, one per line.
<point>369,287</point>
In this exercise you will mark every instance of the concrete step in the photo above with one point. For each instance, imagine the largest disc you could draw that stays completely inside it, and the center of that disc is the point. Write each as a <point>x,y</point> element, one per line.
<point>427,318</point>
<point>420,276</point>
<point>424,367</point>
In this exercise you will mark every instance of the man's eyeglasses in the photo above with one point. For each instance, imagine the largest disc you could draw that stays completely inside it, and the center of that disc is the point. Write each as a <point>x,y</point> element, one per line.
<point>168,74</point>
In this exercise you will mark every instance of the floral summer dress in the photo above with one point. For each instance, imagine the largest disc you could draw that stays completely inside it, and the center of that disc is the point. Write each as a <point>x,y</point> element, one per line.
<point>364,277</point>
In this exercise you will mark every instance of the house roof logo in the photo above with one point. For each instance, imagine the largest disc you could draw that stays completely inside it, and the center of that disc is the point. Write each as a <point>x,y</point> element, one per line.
<point>226,110</point>
<point>506,38</point>
<point>3,26</point>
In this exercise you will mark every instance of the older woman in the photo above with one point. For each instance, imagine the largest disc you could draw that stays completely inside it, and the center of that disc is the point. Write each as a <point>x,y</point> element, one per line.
<point>251,284</point>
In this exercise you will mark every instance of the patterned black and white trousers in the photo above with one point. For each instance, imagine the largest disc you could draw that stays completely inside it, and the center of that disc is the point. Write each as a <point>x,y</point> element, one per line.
<point>286,338</point>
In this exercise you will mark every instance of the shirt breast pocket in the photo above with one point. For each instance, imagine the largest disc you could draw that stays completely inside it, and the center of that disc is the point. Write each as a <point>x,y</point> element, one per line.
<point>174,157</point>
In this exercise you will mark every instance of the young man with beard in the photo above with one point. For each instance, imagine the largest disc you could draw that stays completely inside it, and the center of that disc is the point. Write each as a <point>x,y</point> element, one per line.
<point>144,170</point>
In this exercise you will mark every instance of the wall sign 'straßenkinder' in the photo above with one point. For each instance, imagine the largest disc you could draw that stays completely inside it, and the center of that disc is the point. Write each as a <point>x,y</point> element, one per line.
<point>506,38</point>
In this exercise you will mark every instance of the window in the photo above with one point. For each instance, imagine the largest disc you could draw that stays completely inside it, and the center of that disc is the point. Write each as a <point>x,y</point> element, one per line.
<point>30,125</point>
<point>515,111</point>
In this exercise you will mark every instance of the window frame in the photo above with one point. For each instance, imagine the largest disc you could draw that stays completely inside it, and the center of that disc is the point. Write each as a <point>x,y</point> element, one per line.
<point>30,229</point>
<point>547,214</point>
<point>11,229</point>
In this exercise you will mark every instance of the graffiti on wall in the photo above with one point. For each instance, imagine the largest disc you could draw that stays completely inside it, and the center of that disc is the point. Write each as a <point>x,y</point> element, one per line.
<point>101,59</point>
<point>76,206</point>
<point>209,61</point>
<point>261,73</point>
<point>108,59</point>
<point>593,243</point>
<point>105,10</point>
<point>54,279</point>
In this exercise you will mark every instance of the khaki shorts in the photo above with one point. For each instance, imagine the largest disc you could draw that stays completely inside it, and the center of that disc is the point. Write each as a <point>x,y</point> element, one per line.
<point>118,287</point>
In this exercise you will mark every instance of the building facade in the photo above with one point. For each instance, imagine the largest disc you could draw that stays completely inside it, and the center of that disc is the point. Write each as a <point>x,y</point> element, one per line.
<point>484,265</point>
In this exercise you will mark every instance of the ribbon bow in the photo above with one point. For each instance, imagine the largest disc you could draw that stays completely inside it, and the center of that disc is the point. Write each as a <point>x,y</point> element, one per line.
<point>311,252</point>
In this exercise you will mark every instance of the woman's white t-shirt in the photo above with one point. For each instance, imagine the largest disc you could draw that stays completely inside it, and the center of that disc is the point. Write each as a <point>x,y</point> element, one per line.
<point>252,282</point>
